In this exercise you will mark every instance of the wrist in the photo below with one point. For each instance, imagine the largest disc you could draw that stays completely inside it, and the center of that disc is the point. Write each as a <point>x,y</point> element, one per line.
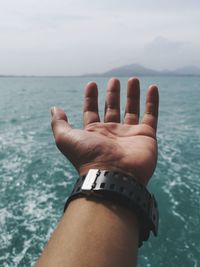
<point>84,169</point>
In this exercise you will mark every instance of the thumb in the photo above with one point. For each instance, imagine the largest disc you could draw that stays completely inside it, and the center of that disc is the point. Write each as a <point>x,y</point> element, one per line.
<point>59,124</point>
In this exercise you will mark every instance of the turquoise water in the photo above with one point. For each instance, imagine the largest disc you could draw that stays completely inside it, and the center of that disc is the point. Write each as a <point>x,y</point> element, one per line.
<point>35,179</point>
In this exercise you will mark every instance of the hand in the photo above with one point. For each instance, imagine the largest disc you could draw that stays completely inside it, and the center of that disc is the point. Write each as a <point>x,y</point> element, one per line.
<point>129,147</point>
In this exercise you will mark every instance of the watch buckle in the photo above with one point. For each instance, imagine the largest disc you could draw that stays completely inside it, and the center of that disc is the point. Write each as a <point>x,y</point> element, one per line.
<point>90,180</point>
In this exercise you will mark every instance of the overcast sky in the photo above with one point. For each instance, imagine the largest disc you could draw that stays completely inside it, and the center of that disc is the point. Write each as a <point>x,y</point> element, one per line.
<point>66,37</point>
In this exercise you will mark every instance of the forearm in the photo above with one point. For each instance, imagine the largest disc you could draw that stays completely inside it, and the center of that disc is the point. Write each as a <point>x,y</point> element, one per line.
<point>95,233</point>
<point>92,233</point>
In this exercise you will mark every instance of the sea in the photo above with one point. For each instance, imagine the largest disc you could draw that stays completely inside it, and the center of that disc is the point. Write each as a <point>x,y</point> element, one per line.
<point>36,179</point>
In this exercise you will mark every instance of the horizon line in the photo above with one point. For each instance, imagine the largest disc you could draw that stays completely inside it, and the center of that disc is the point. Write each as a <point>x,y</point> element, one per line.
<point>92,75</point>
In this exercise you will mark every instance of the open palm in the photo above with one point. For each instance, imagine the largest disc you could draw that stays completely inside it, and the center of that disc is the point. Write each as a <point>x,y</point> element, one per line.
<point>129,147</point>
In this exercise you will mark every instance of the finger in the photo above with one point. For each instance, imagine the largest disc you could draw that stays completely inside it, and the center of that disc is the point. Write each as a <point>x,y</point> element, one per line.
<point>132,109</point>
<point>59,124</point>
<point>112,104</point>
<point>90,109</point>
<point>152,103</point>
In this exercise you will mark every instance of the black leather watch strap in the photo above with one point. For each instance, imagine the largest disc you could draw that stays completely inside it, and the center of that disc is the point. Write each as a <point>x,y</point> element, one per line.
<point>122,189</point>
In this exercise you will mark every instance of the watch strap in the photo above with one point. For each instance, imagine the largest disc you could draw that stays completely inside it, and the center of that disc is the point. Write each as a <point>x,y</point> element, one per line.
<point>123,189</point>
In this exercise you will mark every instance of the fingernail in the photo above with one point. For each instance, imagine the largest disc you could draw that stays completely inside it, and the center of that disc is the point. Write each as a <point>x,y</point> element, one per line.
<point>53,109</point>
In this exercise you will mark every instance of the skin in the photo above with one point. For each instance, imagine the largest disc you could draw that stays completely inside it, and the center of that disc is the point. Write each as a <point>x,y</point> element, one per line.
<point>129,147</point>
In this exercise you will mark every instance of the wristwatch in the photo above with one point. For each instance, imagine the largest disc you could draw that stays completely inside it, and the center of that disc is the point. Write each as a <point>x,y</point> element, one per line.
<point>124,190</point>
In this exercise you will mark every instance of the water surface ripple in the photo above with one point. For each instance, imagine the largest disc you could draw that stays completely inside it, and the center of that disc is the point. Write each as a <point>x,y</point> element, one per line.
<point>36,179</point>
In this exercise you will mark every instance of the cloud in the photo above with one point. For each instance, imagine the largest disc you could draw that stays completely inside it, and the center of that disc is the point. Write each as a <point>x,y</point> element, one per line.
<point>162,53</point>
<point>161,46</point>
<point>65,34</point>
<point>55,20</point>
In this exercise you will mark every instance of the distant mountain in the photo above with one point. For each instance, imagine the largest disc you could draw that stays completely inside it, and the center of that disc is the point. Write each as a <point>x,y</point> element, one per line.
<point>139,70</point>
<point>130,70</point>
<point>187,70</point>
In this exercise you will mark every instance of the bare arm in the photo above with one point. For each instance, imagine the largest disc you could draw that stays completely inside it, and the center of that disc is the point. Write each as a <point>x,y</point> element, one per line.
<point>102,233</point>
<point>91,234</point>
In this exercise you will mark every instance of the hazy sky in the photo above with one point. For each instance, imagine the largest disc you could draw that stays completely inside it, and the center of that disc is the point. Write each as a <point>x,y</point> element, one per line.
<point>63,37</point>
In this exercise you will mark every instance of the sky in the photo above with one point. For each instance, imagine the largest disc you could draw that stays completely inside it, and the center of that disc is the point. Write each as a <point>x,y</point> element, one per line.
<point>72,37</point>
